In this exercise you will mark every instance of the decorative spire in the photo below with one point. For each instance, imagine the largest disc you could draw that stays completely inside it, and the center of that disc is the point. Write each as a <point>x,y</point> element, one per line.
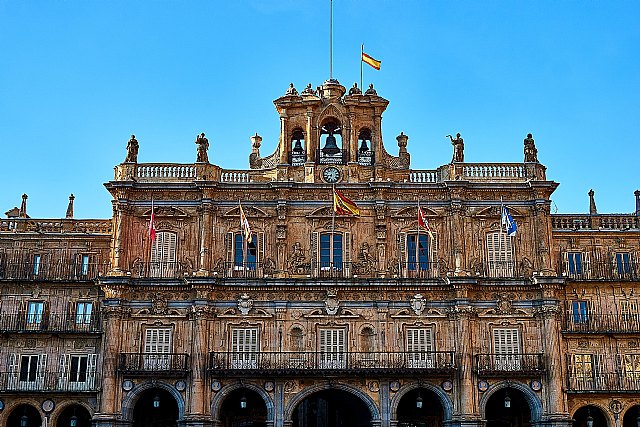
<point>592,203</point>
<point>70,207</point>
<point>23,207</point>
<point>637,194</point>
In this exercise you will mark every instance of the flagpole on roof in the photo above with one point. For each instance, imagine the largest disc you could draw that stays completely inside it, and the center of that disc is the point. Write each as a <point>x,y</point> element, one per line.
<point>361,52</point>
<point>333,222</point>
<point>330,39</point>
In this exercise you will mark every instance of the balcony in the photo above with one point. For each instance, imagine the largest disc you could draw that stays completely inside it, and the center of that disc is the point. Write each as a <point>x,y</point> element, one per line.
<point>52,271</point>
<point>504,365</point>
<point>572,222</point>
<point>154,364</point>
<point>366,157</point>
<point>604,382</point>
<point>49,381</point>
<point>247,270</point>
<point>306,363</point>
<point>498,269</point>
<point>418,270</point>
<point>158,270</point>
<point>601,271</point>
<point>50,323</point>
<point>602,323</point>
<point>339,158</point>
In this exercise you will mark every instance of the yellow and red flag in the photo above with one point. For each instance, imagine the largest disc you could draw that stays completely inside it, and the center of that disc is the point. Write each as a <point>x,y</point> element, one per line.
<point>152,224</point>
<point>342,205</point>
<point>424,222</point>
<point>369,60</point>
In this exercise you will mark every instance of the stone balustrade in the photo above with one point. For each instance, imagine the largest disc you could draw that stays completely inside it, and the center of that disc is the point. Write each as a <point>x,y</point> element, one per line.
<point>423,176</point>
<point>493,171</point>
<point>163,171</point>
<point>595,222</point>
<point>234,176</point>
<point>89,226</point>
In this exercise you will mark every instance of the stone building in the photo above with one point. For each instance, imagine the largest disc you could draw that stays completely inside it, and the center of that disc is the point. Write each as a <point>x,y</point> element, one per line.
<point>317,319</point>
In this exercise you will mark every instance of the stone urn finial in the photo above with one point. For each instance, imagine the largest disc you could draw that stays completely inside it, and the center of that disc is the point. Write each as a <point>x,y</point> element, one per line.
<point>402,142</point>
<point>256,141</point>
<point>70,206</point>
<point>592,203</point>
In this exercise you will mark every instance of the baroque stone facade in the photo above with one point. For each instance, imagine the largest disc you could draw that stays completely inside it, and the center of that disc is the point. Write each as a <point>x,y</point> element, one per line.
<point>322,320</point>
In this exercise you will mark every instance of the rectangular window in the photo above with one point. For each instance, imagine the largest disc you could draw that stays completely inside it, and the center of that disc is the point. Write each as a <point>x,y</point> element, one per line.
<point>83,313</point>
<point>331,251</point>
<point>28,368</point>
<point>157,346</point>
<point>78,369</point>
<point>332,349</point>
<point>36,265</point>
<point>580,312</point>
<point>583,366</point>
<point>244,348</point>
<point>245,257</point>
<point>623,264</point>
<point>420,348</point>
<point>35,312</point>
<point>574,263</point>
<point>417,252</point>
<point>163,255</point>
<point>84,265</point>
<point>499,255</point>
<point>506,346</point>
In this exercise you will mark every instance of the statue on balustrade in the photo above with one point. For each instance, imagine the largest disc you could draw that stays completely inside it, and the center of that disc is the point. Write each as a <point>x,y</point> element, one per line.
<point>132,150</point>
<point>203,146</point>
<point>530,150</point>
<point>458,148</point>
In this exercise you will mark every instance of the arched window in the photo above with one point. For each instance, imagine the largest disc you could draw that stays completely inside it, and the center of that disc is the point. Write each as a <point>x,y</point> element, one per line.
<point>298,146</point>
<point>365,150</point>
<point>297,339</point>
<point>331,141</point>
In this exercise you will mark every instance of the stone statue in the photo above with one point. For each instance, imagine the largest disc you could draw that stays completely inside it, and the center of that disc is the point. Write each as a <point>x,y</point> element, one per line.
<point>355,90</point>
<point>132,150</point>
<point>366,263</point>
<point>530,150</point>
<point>458,148</point>
<point>203,146</point>
<point>296,262</point>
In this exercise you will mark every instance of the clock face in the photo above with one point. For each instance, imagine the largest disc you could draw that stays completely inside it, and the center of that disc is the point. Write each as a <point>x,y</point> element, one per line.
<point>48,405</point>
<point>331,175</point>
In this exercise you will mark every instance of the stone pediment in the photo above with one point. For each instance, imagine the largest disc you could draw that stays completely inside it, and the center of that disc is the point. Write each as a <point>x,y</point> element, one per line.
<point>249,211</point>
<point>492,211</point>
<point>166,212</point>
<point>331,111</point>
<point>411,212</point>
<point>323,212</point>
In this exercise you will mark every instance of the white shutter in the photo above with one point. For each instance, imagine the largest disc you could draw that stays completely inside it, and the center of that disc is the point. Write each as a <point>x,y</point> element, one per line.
<point>157,345</point>
<point>332,349</point>
<point>41,372</point>
<point>63,379</point>
<point>91,371</point>
<point>506,346</point>
<point>420,348</point>
<point>346,258</point>
<point>12,383</point>
<point>499,255</point>
<point>244,348</point>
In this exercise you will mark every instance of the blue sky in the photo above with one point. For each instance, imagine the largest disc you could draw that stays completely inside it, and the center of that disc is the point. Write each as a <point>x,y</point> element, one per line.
<point>78,77</point>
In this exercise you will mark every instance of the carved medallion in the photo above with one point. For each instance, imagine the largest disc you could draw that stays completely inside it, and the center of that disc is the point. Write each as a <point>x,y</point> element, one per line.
<point>245,303</point>
<point>418,304</point>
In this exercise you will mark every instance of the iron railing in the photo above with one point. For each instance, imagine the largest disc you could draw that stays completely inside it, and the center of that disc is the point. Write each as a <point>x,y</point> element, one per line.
<point>598,323</point>
<point>298,363</point>
<point>606,382</point>
<point>340,158</point>
<point>366,157</point>
<point>153,363</point>
<point>159,270</point>
<point>297,158</point>
<point>613,270</point>
<point>492,364</point>
<point>337,270</point>
<point>51,270</point>
<point>50,323</point>
<point>249,270</point>
<point>81,381</point>
<point>418,270</point>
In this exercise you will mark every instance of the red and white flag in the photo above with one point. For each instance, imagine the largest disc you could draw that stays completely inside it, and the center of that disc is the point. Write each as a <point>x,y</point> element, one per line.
<point>152,225</point>
<point>424,222</point>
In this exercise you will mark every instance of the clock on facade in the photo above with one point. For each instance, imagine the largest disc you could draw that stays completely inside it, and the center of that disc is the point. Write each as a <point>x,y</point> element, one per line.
<point>331,175</point>
<point>48,405</point>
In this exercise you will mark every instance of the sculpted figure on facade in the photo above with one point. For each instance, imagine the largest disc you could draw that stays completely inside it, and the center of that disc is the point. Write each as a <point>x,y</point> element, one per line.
<point>530,150</point>
<point>203,146</point>
<point>132,150</point>
<point>296,263</point>
<point>458,148</point>
<point>366,262</point>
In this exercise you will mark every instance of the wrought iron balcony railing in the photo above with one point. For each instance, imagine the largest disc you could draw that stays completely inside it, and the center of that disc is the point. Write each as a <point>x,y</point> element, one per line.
<point>514,364</point>
<point>339,158</point>
<point>249,270</point>
<point>51,270</point>
<point>298,363</point>
<point>605,382</point>
<point>158,270</point>
<point>36,381</point>
<point>144,364</point>
<point>50,323</point>
<point>599,323</point>
<point>337,270</point>
<point>498,269</point>
<point>297,158</point>
<point>613,270</point>
<point>418,270</point>
<point>366,157</point>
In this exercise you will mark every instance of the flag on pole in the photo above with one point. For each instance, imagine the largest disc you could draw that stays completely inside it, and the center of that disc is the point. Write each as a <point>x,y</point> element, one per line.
<point>424,222</point>
<point>508,222</point>
<point>342,205</point>
<point>152,225</point>
<point>246,231</point>
<point>369,60</point>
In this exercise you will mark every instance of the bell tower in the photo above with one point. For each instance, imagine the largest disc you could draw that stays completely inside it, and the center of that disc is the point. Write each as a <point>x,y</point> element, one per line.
<point>328,135</point>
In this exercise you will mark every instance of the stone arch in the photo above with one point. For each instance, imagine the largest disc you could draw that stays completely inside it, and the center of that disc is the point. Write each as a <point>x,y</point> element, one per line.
<point>129,401</point>
<point>535,405</point>
<point>53,418</point>
<point>604,410</point>
<point>219,397</point>
<point>302,395</point>
<point>445,400</point>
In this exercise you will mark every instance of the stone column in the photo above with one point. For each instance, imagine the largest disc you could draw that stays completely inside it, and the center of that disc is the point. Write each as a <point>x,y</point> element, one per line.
<point>284,140</point>
<point>310,142</point>
<point>117,238</point>
<point>197,408</point>
<point>205,237</point>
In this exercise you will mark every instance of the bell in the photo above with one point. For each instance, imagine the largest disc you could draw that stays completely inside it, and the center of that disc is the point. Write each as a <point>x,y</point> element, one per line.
<point>298,147</point>
<point>363,146</point>
<point>331,148</point>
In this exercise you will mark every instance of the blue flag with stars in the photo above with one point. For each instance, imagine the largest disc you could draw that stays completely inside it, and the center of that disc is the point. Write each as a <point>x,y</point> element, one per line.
<point>508,222</point>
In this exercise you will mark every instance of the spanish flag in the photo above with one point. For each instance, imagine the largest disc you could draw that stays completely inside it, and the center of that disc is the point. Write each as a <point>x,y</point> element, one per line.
<point>342,205</point>
<point>369,60</point>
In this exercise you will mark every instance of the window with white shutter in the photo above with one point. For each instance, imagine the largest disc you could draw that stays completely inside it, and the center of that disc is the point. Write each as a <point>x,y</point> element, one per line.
<point>32,371</point>
<point>506,346</point>
<point>244,348</point>
<point>332,349</point>
<point>163,255</point>
<point>157,349</point>
<point>419,348</point>
<point>499,255</point>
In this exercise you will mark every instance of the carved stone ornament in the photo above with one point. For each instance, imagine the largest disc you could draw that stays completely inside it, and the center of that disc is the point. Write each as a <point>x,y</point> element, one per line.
<point>461,311</point>
<point>418,304</point>
<point>547,311</point>
<point>331,303</point>
<point>159,304</point>
<point>616,406</point>
<point>245,303</point>
<point>504,304</point>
